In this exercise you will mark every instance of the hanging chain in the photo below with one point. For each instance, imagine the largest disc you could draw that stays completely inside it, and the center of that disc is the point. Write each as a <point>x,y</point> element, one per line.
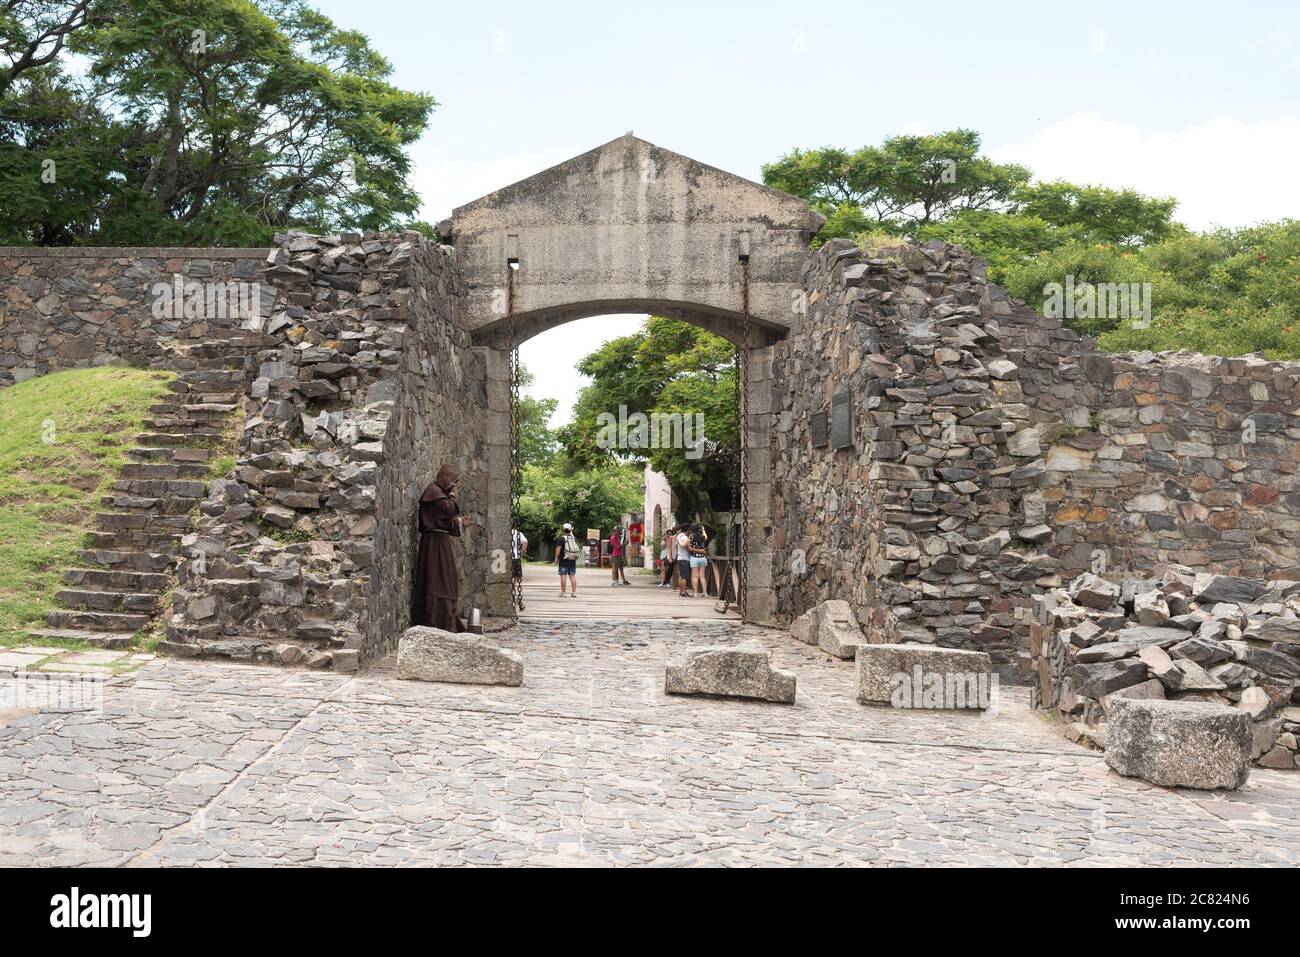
<point>516,463</point>
<point>742,442</point>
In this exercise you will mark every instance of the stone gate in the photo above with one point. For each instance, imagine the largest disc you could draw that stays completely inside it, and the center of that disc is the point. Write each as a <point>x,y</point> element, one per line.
<point>920,445</point>
<point>632,227</point>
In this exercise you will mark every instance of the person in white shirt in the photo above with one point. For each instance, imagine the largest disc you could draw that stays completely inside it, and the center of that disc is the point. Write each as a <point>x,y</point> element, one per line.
<point>683,543</point>
<point>518,546</point>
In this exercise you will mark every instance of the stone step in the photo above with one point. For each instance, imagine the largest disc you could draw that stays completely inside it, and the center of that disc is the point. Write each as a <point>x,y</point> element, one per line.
<point>127,559</point>
<point>162,487</point>
<point>213,380</point>
<point>229,362</point>
<point>129,540</point>
<point>197,409</point>
<point>111,640</point>
<point>112,580</point>
<point>184,423</point>
<point>201,401</point>
<point>192,437</point>
<point>163,470</point>
<point>116,601</point>
<point>157,525</point>
<point>169,454</point>
<point>97,621</point>
<point>245,341</point>
<point>147,505</point>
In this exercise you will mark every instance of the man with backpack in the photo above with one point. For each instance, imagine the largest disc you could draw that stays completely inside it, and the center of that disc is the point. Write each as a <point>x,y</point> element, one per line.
<point>567,551</point>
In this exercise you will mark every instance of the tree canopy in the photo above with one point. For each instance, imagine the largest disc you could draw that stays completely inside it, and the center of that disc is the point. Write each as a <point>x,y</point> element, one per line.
<point>196,122</point>
<point>1225,291</point>
<point>680,373</point>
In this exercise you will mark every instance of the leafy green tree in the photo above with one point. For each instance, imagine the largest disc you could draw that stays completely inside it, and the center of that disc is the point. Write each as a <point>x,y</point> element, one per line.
<point>1122,217</point>
<point>34,32</point>
<point>1227,292</point>
<point>201,122</point>
<point>537,441</point>
<point>589,498</point>
<point>668,368</point>
<point>900,186</point>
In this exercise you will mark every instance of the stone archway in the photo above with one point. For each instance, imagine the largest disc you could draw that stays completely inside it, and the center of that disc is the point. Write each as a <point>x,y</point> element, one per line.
<point>632,227</point>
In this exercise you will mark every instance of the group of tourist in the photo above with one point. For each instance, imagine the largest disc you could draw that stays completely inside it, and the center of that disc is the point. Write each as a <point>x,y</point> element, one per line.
<point>568,550</point>
<point>685,550</point>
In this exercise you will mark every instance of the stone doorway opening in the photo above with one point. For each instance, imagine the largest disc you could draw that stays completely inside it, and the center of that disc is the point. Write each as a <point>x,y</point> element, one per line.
<point>526,484</point>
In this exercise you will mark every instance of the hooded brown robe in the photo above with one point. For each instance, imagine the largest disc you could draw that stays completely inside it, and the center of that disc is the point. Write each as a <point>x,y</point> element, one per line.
<point>435,587</point>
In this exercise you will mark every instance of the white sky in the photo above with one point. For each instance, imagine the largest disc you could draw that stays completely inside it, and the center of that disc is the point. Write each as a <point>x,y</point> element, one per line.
<point>1192,98</point>
<point>551,357</point>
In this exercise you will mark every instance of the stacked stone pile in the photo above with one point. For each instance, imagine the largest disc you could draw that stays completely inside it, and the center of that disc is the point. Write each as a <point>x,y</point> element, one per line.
<point>304,553</point>
<point>1179,635</point>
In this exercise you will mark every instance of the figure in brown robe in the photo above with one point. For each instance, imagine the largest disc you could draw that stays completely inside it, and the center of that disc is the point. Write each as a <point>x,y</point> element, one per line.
<point>434,591</point>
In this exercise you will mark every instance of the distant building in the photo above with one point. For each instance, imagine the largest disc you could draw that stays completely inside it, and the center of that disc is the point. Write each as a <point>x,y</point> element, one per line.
<point>658,512</point>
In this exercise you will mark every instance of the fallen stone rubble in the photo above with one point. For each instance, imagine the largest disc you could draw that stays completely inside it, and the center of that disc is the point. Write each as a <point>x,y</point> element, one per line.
<point>1180,635</point>
<point>431,654</point>
<point>731,671</point>
<point>1180,744</point>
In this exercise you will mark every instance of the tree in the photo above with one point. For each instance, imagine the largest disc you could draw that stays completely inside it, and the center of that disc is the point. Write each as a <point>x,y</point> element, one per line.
<point>1227,292</point>
<point>588,498</point>
<point>202,122</point>
<point>679,372</point>
<point>537,442</point>
<point>898,187</point>
<point>34,32</point>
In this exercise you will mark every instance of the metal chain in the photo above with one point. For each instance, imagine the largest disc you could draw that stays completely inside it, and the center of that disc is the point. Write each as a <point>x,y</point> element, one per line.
<point>742,370</point>
<point>516,464</point>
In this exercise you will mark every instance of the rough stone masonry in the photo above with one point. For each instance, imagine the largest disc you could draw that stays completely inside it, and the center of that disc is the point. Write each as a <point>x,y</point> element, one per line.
<point>981,456</point>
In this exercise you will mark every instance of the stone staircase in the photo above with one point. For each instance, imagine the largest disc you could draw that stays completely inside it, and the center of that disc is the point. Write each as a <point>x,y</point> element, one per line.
<point>125,568</point>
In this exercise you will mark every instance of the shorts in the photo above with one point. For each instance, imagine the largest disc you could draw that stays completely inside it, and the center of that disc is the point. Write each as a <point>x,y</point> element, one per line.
<point>616,561</point>
<point>699,561</point>
<point>568,566</point>
<point>684,567</point>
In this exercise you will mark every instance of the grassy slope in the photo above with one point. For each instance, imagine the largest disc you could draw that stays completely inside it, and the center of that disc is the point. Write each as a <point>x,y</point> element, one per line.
<point>63,438</point>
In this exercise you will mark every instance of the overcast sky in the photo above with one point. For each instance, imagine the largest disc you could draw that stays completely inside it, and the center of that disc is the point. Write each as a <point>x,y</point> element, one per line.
<point>1199,100</point>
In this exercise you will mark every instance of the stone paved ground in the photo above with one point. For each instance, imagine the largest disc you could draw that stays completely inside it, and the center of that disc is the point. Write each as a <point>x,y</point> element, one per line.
<point>588,763</point>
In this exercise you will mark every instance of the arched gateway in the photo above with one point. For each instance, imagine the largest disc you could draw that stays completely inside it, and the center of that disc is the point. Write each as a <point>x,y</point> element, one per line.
<point>919,444</point>
<point>630,227</point>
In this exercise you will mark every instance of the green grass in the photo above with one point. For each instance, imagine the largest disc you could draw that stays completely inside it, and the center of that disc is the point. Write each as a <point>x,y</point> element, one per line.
<point>63,440</point>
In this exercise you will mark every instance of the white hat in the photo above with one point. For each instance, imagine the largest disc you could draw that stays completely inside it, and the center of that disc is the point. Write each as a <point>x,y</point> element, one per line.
<point>568,527</point>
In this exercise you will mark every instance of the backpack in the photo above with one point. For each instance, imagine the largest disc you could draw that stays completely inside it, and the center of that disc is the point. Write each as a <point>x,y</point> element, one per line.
<point>570,552</point>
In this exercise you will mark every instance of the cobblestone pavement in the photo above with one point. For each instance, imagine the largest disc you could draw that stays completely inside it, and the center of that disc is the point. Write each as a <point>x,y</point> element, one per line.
<point>588,763</point>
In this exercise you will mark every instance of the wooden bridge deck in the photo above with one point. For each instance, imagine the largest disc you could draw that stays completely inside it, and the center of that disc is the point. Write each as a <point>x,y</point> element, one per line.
<point>597,598</point>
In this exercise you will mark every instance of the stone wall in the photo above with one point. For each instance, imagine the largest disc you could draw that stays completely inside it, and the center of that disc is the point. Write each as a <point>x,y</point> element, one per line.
<point>995,454</point>
<point>64,308</point>
<point>1180,458</point>
<point>930,522</point>
<point>305,552</point>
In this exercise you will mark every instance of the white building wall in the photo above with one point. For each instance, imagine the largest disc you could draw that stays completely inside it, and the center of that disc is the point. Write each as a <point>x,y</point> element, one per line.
<point>657,495</point>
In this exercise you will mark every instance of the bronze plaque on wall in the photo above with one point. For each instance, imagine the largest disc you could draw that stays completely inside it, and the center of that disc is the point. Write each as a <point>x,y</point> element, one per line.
<point>842,420</point>
<point>820,433</point>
